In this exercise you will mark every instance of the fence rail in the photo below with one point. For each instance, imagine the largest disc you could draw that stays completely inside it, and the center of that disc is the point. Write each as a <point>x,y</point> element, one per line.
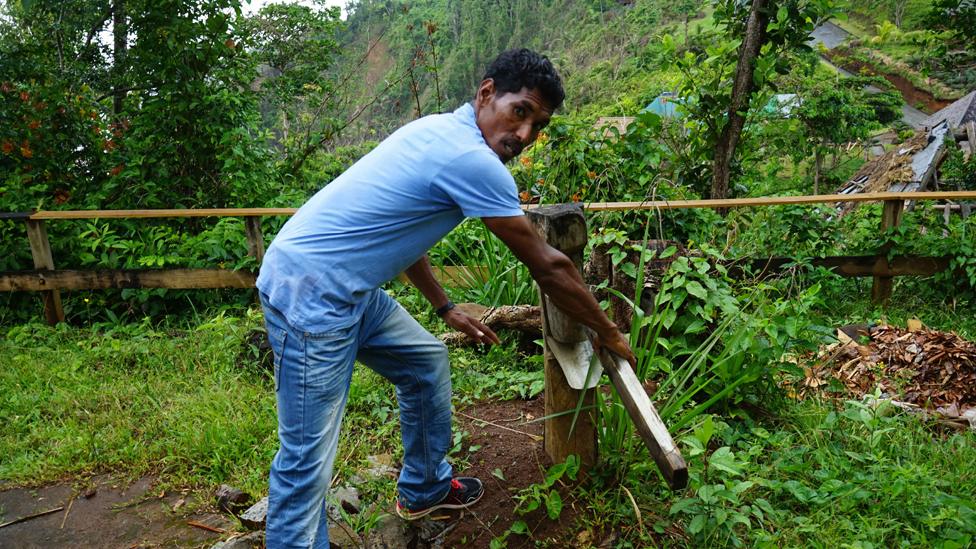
<point>44,278</point>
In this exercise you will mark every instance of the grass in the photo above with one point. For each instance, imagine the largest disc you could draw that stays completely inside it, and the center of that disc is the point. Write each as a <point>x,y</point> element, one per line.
<point>135,400</point>
<point>847,301</point>
<point>193,405</point>
<point>817,474</point>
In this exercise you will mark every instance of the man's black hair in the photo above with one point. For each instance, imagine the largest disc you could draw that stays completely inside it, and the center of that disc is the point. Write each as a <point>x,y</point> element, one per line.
<point>521,68</point>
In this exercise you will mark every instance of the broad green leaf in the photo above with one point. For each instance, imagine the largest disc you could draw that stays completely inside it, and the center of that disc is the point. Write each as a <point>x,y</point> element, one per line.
<point>696,289</point>
<point>554,505</point>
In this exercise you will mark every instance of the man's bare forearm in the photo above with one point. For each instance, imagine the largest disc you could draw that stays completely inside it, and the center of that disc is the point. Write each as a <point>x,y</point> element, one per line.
<point>567,290</point>
<point>422,276</point>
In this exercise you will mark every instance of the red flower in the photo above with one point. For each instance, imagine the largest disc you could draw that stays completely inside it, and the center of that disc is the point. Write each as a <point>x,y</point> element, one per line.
<point>7,147</point>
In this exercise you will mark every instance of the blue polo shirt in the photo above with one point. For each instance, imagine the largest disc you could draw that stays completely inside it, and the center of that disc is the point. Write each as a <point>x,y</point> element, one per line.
<point>381,216</point>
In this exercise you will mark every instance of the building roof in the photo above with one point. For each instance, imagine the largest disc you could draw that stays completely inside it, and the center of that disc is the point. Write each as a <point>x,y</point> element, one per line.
<point>957,114</point>
<point>665,105</point>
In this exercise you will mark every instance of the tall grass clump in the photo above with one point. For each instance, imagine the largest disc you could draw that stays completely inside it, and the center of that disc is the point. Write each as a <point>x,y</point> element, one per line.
<point>494,275</point>
<point>703,344</point>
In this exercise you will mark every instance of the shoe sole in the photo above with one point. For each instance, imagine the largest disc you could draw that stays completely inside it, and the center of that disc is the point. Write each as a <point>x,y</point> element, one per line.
<point>414,515</point>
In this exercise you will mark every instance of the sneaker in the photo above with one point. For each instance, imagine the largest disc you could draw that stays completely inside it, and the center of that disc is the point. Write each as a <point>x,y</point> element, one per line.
<point>464,492</point>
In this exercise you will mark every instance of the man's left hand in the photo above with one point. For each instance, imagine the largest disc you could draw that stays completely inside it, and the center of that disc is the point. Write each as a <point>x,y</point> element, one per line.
<point>474,328</point>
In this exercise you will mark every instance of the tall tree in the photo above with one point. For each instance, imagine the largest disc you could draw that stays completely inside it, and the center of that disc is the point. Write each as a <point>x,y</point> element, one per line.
<point>159,114</point>
<point>742,86</point>
<point>770,32</point>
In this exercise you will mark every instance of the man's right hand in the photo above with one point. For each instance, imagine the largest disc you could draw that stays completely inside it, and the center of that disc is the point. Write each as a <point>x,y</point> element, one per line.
<point>616,343</point>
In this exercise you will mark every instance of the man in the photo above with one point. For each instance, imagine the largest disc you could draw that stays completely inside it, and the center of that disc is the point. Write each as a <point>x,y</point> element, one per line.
<point>324,309</point>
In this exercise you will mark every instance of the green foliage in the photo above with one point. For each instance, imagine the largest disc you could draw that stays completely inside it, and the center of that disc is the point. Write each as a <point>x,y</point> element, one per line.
<point>708,67</point>
<point>704,346</point>
<point>544,495</point>
<point>297,46</point>
<point>820,474</point>
<point>786,231</point>
<point>957,16</point>
<point>495,276</point>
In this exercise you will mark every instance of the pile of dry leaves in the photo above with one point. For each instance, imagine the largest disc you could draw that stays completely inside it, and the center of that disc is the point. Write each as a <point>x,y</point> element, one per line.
<point>924,368</point>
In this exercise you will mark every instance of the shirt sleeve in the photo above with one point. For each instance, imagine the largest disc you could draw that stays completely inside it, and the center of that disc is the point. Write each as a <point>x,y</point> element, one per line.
<point>480,185</point>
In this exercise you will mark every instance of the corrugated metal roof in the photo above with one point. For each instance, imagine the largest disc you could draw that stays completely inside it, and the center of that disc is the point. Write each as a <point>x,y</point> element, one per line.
<point>957,114</point>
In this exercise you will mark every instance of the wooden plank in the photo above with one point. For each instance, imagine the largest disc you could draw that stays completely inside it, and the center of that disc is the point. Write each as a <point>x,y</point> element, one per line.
<point>847,266</point>
<point>890,218</point>
<point>771,201</point>
<point>45,280</point>
<point>41,280</point>
<point>650,427</point>
<point>456,276</point>
<point>145,214</point>
<point>564,228</point>
<point>592,206</point>
<point>255,239</point>
<point>41,251</point>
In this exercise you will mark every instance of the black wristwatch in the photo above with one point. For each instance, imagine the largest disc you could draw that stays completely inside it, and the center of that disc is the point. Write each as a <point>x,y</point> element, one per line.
<point>443,309</point>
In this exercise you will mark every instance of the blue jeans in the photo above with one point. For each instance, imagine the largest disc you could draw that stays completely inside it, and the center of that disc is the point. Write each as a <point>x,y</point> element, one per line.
<point>312,376</point>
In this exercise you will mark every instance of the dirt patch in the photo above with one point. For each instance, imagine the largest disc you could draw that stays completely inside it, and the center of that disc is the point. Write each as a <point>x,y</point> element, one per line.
<point>113,515</point>
<point>139,515</point>
<point>513,446</point>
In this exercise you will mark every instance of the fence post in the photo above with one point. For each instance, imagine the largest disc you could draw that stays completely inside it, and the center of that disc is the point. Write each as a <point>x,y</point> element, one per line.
<point>255,239</point>
<point>890,218</point>
<point>41,251</point>
<point>564,228</point>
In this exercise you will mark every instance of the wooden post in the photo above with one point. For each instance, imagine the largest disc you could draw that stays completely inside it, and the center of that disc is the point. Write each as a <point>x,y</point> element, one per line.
<point>41,250</point>
<point>890,217</point>
<point>564,228</point>
<point>255,240</point>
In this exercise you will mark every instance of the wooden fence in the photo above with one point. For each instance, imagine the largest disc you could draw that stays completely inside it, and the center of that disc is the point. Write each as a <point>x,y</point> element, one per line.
<point>45,278</point>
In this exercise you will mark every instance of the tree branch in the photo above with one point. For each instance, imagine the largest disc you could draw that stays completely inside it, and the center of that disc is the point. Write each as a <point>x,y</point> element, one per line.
<point>94,30</point>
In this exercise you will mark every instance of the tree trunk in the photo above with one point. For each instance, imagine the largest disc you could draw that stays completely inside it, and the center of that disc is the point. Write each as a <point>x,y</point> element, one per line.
<point>742,86</point>
<point>900,6</point>
<point>120,34</point>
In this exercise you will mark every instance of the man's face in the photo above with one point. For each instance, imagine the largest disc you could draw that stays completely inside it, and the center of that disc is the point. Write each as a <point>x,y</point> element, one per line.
<point>510,122</point>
